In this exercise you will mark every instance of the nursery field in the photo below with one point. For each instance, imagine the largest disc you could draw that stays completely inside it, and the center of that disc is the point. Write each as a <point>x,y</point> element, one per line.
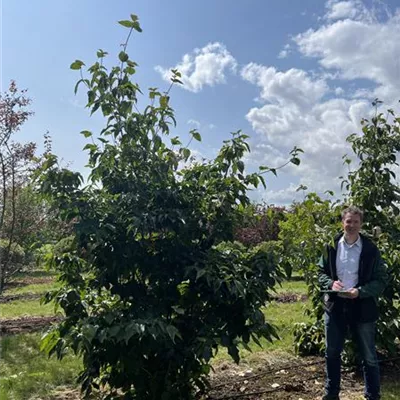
<point>270,372</point>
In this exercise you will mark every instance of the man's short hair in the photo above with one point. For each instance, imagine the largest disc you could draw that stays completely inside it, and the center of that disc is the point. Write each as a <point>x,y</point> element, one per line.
<point>354,211</point>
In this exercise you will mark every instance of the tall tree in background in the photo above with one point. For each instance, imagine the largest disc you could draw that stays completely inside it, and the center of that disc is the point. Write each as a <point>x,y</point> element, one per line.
<point>14,159</point>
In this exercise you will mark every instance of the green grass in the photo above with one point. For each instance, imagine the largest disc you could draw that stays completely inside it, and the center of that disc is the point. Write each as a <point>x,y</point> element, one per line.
<point>25,308</point>
<point>36,273</point>
<point>283,316</point>
<point>390,390</point>
<point>26,373</point>
<point>33,288</point>
<point>297,286</point>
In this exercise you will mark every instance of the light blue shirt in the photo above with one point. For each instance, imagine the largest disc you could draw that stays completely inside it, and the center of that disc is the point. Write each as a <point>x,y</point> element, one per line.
<point>347,262</point>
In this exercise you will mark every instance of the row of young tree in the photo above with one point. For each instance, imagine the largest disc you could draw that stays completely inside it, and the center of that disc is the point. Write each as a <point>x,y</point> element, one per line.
<point>27,222</point>
<point>166,259</point>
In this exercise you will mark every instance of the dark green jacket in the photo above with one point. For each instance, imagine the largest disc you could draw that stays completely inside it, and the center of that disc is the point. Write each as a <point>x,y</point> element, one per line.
<point>372,280</point>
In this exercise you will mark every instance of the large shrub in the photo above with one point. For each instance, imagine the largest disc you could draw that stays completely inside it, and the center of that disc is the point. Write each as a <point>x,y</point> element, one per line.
<point>154,284</point>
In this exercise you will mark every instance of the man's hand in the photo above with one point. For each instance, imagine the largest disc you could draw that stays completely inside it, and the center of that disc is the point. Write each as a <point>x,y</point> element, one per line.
<point>338,286</point>
<point>350,294</point>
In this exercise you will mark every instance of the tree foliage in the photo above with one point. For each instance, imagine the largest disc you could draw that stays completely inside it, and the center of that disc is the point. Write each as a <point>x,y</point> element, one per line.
<point>258,223</point>
<point>373,186</point>
<point>153,283</point>
<point>370,185</point>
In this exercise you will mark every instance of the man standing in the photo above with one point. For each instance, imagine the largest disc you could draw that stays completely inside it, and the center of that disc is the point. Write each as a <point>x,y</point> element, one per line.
<point>354,269</point>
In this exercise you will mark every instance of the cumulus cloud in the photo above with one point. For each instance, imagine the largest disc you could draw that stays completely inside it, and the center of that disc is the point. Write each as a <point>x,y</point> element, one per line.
<point>321,133</point>
<point>344,9</point>
<point>207,66</point>
<point>359,48</point>
<point>194,123</point>
<point>294,86</point>
<point>299,113</point>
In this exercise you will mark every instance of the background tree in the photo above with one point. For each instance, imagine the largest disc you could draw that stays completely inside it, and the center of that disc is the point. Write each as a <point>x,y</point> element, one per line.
<point>13,160</point>
<point>258,223</point>
<point>371,186</point>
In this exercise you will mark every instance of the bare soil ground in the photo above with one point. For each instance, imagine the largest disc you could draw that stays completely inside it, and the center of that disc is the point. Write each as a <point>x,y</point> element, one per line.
<point>25,324</point>
<point>21,296</point>
<point>30,280</point>
<point>297,380</point>
<point>300,379</point>
<point>289,297</point>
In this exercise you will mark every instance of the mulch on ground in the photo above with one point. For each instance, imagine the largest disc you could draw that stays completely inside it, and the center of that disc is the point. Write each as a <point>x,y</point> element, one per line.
<point>289,297</point>
<point>296,380</point>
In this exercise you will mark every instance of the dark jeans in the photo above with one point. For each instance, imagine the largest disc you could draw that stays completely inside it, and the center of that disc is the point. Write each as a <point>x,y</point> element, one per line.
<point>336,327</point>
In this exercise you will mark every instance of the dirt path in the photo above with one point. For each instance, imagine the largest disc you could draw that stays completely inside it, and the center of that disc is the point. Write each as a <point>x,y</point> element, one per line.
<point>25,324</point>
<point>31,280</point>
<point>17,297</point>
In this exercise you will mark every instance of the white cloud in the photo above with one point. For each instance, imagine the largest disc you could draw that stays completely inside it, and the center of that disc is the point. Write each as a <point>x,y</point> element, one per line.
<point>361,48</point>
<point>318,126</point>
<point>203,67</point>
<point>284,196</point>
<point>339,91</point>
<point>194,123</point>
<point>294,86</point>
<point>358,50</point>
<point>285,52</point>
<point>344,9</point>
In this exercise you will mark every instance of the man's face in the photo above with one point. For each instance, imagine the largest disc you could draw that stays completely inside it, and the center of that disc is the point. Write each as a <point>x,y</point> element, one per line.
<point>351,224</point>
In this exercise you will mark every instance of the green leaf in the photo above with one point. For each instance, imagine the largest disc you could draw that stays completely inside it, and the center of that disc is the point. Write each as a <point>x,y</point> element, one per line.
<point>196,135</point>
<point>123,56</point>
<point>49,341</point>
<point>186,153</point>
<point>173,332</point>
<point>200,273</point>
<point>77,64</point>
<point>164,101</point>
<point>127,23</point>
<point>91,147</point>
<point>101,53</point>
<point>86,133</point>
<point>295,161</point>
<point>79,82</point>
<point>175,141</point>
<point>233,351</point>
<point>137,27</point>
<point>89,332</point>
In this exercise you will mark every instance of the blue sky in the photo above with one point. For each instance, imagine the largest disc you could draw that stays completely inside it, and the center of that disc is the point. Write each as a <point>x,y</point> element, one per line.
<point>288,73</point>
